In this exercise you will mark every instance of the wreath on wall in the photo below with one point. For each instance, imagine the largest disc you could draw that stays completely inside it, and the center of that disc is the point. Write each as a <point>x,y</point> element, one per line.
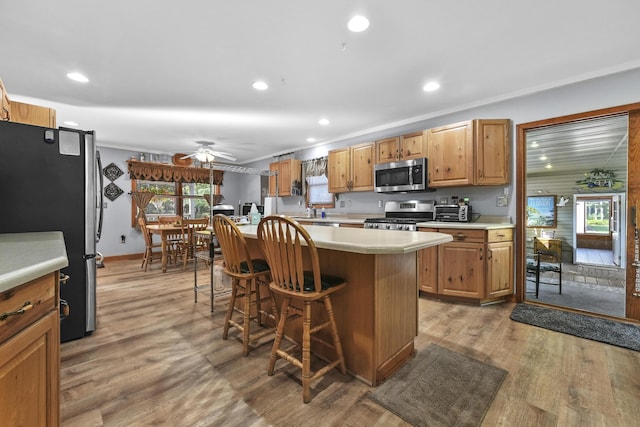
<point>600,180</point>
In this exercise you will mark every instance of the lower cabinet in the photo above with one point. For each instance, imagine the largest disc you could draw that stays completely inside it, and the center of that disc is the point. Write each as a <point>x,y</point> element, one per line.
<point>477,264</point>
<point>30,354</point>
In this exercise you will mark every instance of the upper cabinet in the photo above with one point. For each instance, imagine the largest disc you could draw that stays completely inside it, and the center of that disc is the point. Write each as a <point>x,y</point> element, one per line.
<point>351,168</point>
<point>288,181</point>
<point>405,147</point>
<point>33,114</point>
<point>475,152</point>
<point>5,104</point>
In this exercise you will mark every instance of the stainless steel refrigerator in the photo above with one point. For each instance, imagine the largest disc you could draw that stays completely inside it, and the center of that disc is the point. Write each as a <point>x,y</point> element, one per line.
<point>50,179</point>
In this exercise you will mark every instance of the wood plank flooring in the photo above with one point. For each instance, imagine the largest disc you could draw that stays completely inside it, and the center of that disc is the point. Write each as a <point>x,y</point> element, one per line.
<point>157,358</point>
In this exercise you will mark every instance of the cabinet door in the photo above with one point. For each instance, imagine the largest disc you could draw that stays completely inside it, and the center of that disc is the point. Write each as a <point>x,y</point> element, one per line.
<point>338,168</point>
<point>461,269</point>
<point>284,178</point>
<point>33,114</point>
<point>362,167</point>
<point>492,152</point>
<point>428,270</point>
<point>499,269</point>
<point>29,375</point>
<point>413,146</point>
<point>387,150</point>
<point>450,154</point>
<point>273,179</point>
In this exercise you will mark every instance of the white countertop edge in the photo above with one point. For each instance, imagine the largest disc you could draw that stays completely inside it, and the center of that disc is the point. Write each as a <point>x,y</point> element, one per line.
<point>364,241</point>
<point>28,256</point>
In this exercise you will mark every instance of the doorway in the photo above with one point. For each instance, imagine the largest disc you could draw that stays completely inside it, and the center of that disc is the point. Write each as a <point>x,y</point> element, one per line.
<point>599,230</point>
<point>583,161</point>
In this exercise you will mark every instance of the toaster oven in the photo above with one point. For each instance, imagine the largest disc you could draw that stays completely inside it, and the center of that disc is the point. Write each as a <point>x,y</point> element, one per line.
<point>452,213</point>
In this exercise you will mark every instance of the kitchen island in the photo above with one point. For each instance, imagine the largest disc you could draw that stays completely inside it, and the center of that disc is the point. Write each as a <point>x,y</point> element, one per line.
<point>377,312</point>
<point>30,327</point>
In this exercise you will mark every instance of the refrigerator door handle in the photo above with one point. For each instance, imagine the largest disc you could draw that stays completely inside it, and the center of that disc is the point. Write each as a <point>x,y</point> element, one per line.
<point>101,213</point>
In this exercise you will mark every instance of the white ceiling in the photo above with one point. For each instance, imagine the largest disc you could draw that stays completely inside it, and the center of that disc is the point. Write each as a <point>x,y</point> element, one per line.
<point>164,74</point>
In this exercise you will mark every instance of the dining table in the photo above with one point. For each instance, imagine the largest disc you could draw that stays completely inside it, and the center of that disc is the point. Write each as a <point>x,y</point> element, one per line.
<point>164,230</point>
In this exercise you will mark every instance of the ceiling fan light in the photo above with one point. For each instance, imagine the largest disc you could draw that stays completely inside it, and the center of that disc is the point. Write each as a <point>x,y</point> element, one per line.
<point>205,157</point>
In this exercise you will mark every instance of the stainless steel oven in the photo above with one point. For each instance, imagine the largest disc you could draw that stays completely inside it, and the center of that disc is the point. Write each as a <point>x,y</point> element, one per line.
<point>403,215</point>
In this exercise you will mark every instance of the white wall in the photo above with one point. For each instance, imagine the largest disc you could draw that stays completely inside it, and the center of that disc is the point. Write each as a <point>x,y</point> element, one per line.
<point>616,89</point>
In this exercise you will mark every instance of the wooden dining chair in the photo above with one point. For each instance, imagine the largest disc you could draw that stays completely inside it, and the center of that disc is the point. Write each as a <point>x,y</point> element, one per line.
<point>149,252</point>
<point>246,274</point>
<point>177,242</point>
<point>284,243</point>
<point>194,245</point>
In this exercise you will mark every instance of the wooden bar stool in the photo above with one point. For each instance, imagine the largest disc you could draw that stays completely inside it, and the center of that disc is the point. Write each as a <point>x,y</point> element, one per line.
<point>245,273</point>
<point>282,240</point>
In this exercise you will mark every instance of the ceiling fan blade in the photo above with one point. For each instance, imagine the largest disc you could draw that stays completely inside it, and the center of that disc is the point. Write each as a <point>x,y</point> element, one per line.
<point>227,156</point>
<point>188,156</point>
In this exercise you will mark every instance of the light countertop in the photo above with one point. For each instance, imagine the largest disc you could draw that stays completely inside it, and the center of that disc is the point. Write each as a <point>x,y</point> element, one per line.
<point>27,256</point>
<point>484,223</point>
<point>359,240</point>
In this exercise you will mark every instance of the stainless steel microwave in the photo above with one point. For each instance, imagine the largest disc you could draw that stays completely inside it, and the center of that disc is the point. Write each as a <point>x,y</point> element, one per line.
<point>401,176</point>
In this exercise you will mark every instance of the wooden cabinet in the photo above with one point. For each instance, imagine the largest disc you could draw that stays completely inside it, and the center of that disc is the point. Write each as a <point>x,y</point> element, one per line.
<point>33,114</point>
<point>428,270</point>
<point>351,168</point>
<point>30,354</point>
<point>477,264</point>
<point>288,181</point>
<point>5,104</point>
<point>475,152</point>
<point>405,147</point>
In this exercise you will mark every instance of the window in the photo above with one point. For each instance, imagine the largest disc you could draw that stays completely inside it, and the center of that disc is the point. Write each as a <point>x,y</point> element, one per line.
<point>318,192</point>
<point>593,215</point>
<point>194,197</point>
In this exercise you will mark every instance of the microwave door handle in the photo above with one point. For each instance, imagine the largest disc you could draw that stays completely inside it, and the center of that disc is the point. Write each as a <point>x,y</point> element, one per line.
<point>410,169</point>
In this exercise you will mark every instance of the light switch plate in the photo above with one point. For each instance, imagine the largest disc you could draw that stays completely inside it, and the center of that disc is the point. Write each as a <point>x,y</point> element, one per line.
<point>502,201</point>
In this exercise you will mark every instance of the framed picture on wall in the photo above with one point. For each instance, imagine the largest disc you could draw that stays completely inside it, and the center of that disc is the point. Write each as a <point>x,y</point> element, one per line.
<point>541,211</point>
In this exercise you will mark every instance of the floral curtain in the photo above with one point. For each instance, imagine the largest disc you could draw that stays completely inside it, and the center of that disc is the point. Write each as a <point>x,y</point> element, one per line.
<point>313,167</point>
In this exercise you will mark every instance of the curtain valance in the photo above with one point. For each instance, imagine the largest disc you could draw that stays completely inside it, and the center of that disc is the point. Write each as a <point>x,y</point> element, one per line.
<point>150,171</point>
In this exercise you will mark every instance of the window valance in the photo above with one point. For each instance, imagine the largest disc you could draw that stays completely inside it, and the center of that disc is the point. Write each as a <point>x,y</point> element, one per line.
<point>150,171</point>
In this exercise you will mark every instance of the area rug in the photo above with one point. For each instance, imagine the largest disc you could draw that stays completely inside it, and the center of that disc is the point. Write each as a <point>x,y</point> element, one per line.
<point>440,388</point>
<point>594,328</point>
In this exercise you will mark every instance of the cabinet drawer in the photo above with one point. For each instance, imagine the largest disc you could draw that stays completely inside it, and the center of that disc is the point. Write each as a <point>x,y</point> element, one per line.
<point>465,235</point>
<point>40,293</point>
<point>500,235</point>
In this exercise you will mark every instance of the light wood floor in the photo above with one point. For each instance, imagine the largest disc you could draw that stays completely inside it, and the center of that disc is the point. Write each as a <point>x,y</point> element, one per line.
<point>157,358</point>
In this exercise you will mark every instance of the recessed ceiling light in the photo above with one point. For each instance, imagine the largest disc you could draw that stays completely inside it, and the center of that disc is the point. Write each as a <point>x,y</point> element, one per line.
<point>259,85</point>
<point>358,24</point>
<point>324,122</point>
<point>431,86</point>
<point>311,140</point>
<point>77,77</point>
<point>543,157</point>
<point>70,123</point>
<point>548,166</point>
<point>534,144</point>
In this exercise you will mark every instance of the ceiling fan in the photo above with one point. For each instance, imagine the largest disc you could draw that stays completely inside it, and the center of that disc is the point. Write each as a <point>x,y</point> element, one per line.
<point>206,154</point>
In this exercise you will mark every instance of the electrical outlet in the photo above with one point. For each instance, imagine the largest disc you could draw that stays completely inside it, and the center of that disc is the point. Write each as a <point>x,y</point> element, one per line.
<point>502,201</point>
<point>379,203</point>
<point>342,203</point>
<point>104,205</point>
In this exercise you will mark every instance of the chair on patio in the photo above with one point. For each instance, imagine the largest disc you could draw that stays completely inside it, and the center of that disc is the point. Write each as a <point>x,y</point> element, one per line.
<point>547,257</point>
